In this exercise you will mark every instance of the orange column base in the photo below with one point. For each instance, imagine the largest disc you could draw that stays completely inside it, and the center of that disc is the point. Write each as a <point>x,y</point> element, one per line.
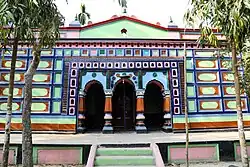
<point>140,126</point>
<point>167,114</point>
<point>81,111</point>
<point>108,128</point>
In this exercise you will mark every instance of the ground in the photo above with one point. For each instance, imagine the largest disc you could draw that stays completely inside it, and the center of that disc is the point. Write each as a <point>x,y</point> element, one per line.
<point>219,164</point>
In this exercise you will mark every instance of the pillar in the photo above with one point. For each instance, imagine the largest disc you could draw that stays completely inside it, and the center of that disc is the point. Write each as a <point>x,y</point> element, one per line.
<point>166,109</point>
<point>108,128</point>
<point>140,126</point>
<point>81,112</point>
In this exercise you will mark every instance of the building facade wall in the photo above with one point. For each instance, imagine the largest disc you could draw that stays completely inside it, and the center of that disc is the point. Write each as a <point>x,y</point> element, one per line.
<point>64,71</point>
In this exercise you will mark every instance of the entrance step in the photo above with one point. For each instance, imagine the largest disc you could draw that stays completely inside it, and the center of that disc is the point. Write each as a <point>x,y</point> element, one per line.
<point>139,151</point>
<point>124,160</point>
<point>146,155</point>
<point>125,166</point>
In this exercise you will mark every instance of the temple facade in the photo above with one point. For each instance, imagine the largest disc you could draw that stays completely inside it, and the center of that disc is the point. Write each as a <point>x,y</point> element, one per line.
<point>124,74</point>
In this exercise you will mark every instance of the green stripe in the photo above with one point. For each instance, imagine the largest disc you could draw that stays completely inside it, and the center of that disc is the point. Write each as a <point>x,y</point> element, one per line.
<point>44,120</point>
<point>217,118</point>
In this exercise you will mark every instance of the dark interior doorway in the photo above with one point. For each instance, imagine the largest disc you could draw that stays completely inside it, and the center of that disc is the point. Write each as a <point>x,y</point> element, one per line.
<point>123,105</point>
<point>153,107</point>
<point>95,101</point>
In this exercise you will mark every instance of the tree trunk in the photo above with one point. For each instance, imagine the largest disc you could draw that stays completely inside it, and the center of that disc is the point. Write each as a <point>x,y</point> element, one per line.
<point>27,148</point>
<point>243,147</point>
<point>185,104</point>
<point>9,105</point>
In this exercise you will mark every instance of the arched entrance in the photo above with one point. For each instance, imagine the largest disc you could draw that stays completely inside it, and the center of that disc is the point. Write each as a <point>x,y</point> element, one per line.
<point>95,101</point>
<point>123,105</point>
<point>153,106</point>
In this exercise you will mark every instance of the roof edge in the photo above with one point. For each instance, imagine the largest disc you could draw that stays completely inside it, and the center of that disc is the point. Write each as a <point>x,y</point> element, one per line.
<point>134,20</point>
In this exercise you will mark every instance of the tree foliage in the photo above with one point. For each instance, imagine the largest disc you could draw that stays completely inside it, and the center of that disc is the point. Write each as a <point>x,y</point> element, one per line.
<point>36,22</point>
<point>232,19</point>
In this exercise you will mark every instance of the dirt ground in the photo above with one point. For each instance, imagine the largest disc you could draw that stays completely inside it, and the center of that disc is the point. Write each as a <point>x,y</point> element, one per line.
<point>219,164</point>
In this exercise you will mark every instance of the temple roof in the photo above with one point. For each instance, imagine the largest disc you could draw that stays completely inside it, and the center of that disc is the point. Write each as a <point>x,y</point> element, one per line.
<point>128,27</point>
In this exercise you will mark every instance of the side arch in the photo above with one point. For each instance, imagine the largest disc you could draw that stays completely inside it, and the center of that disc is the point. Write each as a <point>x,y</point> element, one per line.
<point>153,105</point>
<point>95,102</point>
<point>157,83</point>
<point>156,76</point>
<point>90,83</point>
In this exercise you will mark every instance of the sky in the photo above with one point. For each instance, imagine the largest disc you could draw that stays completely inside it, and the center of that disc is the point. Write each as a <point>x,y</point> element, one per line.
<point>147,10</point>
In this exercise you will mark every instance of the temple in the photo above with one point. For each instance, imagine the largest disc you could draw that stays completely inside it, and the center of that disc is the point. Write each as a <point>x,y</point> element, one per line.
<point>124,74</point>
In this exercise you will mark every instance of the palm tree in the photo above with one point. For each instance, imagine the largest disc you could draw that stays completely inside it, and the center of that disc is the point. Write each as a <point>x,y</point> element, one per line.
<point>12,11</point>
<point>232,18</point>
<point>84,16</point>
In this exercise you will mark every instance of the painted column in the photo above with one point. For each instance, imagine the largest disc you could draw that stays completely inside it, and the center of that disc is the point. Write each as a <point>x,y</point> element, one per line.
<point>108,112</point>
<point>140,126</point>
<point>81,112</point>
<point>166,110</point>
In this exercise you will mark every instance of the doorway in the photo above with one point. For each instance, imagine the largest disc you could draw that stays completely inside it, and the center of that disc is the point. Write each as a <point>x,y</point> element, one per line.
<point>95,101</point>
<point>123,105</point>
<point>153,106</point>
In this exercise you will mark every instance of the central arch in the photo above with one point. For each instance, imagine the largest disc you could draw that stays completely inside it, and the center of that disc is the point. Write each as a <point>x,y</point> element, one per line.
<point>95,101</point>
<point>123,105</point>
<point>153,106</point>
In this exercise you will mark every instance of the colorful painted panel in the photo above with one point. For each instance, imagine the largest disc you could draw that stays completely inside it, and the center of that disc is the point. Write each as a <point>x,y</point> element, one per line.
<point>12,155</point>
<point>20,64</point>
<point>206,64</point>
<point>41,78</point>
<point>191,91</point>
<point>230,104</point>
<point>40,92</point>
<point>85,52</point>
<point>189,63</point>
<point>204,53</point>
<point>59,52</point>
<point>197,153</point>
<point>67,52</point>
<point>192,106</point>
<point>207,76</point>
<point>237,151</point>
<point>208,90</point>
<point>227,76</point>
<point>56,107</point>
<point>4,77</point>
<point>76,52</point>
<point>210,105</point>
<point>20,52</point>
<point>164,52</point>
<point>229,90</point>
<point>16,106</point>
<point>48,52</point>
<point>57,155</point>
<point>4,91</point>
<point>40,107</point>
<point>128,52</point>
<point>155,53</point>
<point>45,65</point>
<point>225,64</point>
<point>58,64</point>
<point>93,52</point>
